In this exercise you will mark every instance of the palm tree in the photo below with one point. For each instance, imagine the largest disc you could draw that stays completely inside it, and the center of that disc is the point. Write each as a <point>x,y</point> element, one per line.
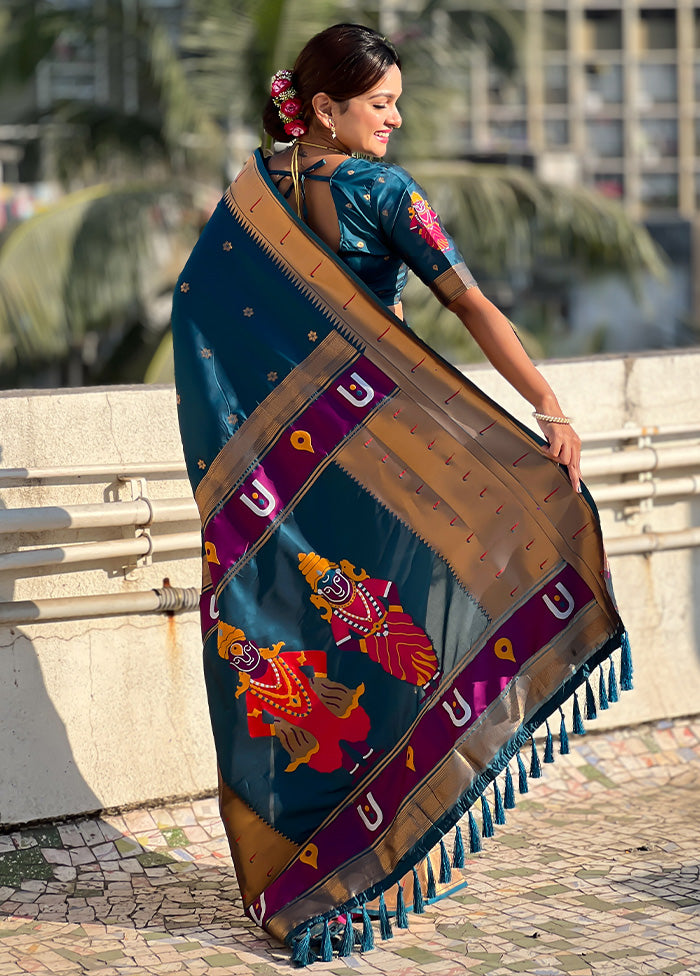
<point>95,273</point>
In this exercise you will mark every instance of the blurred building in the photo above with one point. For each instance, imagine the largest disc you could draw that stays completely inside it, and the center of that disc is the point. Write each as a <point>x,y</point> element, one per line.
<point>95,63</point>
<point>607,96</point>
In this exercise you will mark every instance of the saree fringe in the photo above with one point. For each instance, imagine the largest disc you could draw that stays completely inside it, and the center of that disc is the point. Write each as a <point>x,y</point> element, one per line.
<point>399,589</point>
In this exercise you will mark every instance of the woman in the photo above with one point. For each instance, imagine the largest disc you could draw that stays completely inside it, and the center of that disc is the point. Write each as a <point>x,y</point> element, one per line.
<point>400,584</point>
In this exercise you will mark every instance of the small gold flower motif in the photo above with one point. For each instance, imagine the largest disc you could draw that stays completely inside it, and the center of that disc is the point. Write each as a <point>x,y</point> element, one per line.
<point>206,353</point>
<point>381,180</point>
<point>248,311</point>
<point>313,336</point>
<point>185,286</point>
<point>178,399</point>
<point>385,213</point>
<point>227,246</point>
<point>366,196</point>
<point>349,206</point>
<point>272,376</point>
<point>360,243</point>
<point>232,419</point>
<point>201,464</point>
<point>351,172</point>
<point>435,267</point>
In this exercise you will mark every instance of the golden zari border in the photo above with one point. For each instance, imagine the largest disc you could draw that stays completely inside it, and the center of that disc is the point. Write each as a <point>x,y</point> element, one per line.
<point>269,419</point>
<point>449,404</point>
<point>443,787</point>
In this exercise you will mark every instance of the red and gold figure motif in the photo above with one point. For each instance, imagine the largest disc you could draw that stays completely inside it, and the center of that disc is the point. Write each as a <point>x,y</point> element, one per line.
<point>425,221</point>
<point>289,695</point>
<point>367,612</point>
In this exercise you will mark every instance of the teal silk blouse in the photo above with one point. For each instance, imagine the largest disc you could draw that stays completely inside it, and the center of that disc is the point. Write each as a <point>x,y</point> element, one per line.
<point>387,226</point>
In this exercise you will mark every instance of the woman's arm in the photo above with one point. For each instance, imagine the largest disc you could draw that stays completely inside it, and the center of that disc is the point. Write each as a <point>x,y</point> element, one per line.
<point>501,346</point>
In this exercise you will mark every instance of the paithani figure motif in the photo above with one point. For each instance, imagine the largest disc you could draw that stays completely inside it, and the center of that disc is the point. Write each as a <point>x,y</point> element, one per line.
<point>425,221</point>
<point>365,614</point>
<point>289,695</point>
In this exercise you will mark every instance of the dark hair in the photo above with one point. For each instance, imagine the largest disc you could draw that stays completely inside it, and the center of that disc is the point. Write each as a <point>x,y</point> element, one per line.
<point>343,61</point>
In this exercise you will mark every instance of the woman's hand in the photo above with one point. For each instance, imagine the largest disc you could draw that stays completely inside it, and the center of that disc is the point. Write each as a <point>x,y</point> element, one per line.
<point>498,341</point>
<point>564,447</point>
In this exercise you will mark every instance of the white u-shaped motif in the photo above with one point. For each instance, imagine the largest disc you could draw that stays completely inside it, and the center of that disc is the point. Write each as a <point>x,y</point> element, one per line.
<point>251,910</point>
<point>252,503</point>
<point>371,824</point>
<point>561,613</point>
<point>350,396</point>
<point>462,719</point>
<point>213,610</point>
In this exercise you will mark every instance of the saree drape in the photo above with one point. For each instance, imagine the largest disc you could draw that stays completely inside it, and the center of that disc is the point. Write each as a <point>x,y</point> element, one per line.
<point>398,587</point>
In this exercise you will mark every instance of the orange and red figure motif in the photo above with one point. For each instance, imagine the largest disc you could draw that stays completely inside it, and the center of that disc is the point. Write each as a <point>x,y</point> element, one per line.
<point>289,695</point>
<point>366,613</point>
<point>425,221</point>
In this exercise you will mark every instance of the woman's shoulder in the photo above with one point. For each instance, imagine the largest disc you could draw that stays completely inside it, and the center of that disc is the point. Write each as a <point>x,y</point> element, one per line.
<point>375,174</point>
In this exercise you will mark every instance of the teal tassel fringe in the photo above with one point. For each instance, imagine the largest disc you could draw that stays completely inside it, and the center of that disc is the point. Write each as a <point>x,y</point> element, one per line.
<point>367,931</point>
<point>348,942</point>
<point>445,869</point>
<point>522,776</point>
<point>591,710</point>
<point>418,906</point>
<point>578,721</point>
<point>602,694</point>
<point>613,694</point>
<point>385,928</point>
<point>401,913</point>
<point>487,822</point>
<point>474,836</point>
<point>535,768</point>
<point>625,664</point>
<point>499,812</point>
<point>549,746</point>
<point>458,852</point>
<point>432,890</point>
<point>509,800</point>
<point>326,947</point>
<point>563,736</point>
<point>300,952</point>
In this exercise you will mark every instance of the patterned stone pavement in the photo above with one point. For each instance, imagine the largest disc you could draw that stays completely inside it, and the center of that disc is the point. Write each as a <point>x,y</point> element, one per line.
<point>596,872</point>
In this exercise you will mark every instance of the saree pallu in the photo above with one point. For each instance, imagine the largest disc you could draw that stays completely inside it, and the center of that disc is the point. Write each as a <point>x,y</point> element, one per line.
<point>398,587</point>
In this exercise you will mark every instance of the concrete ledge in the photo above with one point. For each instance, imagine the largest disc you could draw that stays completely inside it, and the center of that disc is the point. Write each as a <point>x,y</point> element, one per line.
<point>112,712</point>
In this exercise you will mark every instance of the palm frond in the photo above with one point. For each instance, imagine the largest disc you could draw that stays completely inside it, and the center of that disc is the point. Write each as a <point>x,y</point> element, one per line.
<point>91,260</point>
<point>503,216</point>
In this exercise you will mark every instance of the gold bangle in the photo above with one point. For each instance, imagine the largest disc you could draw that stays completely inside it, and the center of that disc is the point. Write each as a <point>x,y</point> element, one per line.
<point>549,419</point>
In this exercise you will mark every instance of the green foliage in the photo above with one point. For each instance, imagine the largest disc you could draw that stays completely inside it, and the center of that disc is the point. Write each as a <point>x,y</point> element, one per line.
<point>95,264</point>
<point>111,235</point>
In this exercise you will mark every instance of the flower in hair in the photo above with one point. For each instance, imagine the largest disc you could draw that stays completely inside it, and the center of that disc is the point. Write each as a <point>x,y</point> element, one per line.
<point>288,104</point>
<point>281,83</point>
<point>291,107</point>
<point>295,129</point>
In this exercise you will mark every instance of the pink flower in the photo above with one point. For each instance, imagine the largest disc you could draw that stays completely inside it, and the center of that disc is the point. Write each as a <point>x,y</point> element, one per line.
<point>279,85</point>
<point>291,107</point>
<point>295,129</point>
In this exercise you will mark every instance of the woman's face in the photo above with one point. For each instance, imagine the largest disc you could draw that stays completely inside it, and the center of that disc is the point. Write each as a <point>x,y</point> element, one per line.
<point>363,124</point>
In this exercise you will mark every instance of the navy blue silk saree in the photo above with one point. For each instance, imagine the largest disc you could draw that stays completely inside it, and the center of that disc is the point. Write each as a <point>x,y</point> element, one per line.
<point>398,589</point>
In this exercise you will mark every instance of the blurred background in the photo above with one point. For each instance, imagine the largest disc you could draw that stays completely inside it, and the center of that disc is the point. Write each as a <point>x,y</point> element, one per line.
<point>556,138</point>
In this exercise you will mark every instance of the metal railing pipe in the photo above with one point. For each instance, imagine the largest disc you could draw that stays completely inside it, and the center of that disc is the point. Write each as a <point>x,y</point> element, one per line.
<point>168,600</point>
<point>633,490</point>
<point>139,512</point>
<point>49,556</point>
<point>640,460</point>
<point>79,472</point>
<point>634,433</point>
<point>653,542</point>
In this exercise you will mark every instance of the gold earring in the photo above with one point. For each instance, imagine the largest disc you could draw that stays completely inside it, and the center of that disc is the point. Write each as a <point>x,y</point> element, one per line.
<point>332,128</point>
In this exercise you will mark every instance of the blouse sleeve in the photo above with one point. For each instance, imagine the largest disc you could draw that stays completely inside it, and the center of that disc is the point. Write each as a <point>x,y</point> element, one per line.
<point>413,231</point>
